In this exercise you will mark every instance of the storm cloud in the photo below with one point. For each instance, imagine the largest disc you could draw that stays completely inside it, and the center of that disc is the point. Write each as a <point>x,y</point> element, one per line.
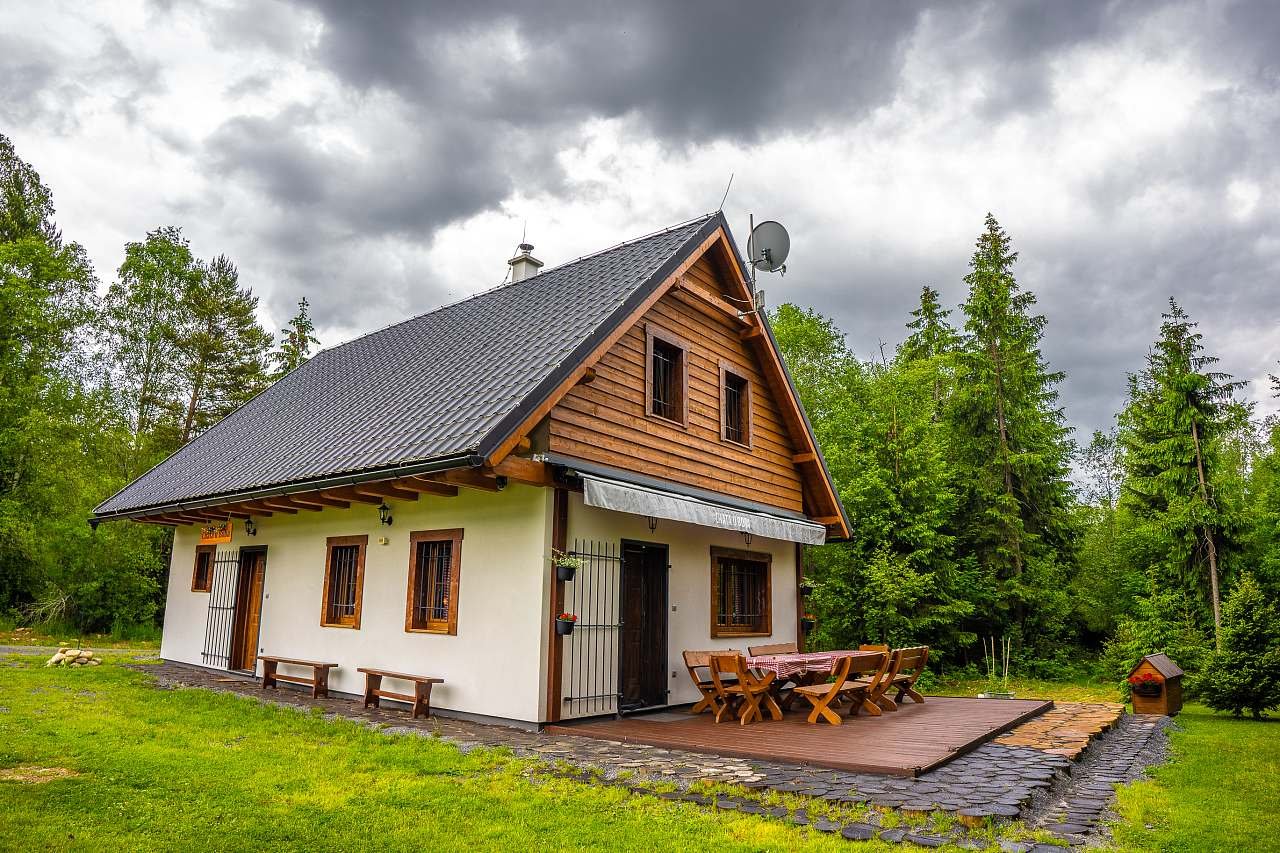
<point>384,158</point>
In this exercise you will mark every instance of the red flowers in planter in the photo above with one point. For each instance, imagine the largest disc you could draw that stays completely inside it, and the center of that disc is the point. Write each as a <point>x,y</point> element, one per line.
<point>567,617</point>
<point>1144,679</point>
<point>1145,684</point>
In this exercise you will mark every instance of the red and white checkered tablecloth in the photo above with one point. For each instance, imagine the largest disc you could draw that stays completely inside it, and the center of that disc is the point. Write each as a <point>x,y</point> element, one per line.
<point>785,666</point>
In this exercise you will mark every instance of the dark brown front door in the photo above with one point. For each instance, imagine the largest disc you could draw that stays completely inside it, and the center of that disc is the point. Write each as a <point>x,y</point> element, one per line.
<point>642,659</point>
<point>244,647</point>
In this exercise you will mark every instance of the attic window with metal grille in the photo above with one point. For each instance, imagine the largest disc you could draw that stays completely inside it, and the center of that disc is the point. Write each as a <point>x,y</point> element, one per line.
<point>735,407</point>
<point>667,374</point>
<point>435,562</point>
<point>343,581</point>
<point>741,597</point>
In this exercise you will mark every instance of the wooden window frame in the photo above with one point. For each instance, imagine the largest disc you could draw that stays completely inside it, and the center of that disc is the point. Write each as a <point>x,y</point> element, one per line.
<point>454,536</point>
<point>652,334</point>
<point>727,370</point>
<point>718,630</point>
<point>212,551</point>
<point>329,544</point>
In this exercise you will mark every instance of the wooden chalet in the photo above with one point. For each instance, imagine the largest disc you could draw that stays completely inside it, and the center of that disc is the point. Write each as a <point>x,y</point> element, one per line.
<point>612,438</point>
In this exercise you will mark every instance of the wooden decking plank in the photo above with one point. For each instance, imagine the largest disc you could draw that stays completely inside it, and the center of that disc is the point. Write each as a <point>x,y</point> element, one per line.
<point>911,740</point>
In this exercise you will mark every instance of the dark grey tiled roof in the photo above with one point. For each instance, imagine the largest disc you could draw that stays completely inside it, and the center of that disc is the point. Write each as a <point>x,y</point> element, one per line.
<point>451,383</point>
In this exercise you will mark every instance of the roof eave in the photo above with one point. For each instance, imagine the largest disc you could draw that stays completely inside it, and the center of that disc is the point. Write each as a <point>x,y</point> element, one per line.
<point>465,459</point>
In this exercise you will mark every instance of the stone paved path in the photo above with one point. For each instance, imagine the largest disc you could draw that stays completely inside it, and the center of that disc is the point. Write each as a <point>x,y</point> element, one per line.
<point>1021,773</point>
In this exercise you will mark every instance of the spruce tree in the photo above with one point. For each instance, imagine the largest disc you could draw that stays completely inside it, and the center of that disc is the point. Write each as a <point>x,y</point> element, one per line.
<point>931,332</point>
<point>1178,414</point>
<point>1012,442</point>
<point>1244,673</point>
<point>296,340</point>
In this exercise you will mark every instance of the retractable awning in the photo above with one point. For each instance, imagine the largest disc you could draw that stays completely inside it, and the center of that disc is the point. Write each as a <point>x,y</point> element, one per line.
<point>642,500</point>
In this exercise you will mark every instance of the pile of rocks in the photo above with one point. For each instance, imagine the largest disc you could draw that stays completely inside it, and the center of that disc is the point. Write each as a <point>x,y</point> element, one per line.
<point>68,656</point>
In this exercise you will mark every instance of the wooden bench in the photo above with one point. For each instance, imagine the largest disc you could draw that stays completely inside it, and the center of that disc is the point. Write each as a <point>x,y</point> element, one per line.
<point>420,700</point>
<point>318,682</point>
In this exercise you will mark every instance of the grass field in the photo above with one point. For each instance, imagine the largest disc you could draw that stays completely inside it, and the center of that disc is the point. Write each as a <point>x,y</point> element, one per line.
<point>193,770</point>
<point>150,769</point>
<point>55,634</point>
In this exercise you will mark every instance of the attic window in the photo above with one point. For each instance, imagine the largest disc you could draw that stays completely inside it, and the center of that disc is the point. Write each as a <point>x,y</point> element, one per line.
<point>735,407</point>
<point>668,376</point>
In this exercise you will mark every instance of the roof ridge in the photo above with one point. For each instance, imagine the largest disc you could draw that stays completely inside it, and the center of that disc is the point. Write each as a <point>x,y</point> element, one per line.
<point>507,284</point>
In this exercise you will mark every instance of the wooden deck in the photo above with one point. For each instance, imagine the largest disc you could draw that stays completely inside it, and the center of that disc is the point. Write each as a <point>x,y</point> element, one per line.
<point>907,742</point>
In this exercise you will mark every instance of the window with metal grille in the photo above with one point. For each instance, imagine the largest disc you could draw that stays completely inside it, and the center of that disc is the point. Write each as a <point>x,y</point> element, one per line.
<point>735,403</point>
<point>434,567</point>
<point>202,574</point>
<point>343,581</point>
<point>740,593</point>
<point>666,373</point>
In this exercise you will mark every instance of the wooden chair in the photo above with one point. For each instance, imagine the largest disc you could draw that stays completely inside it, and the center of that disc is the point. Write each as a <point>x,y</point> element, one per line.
<point>875,690</point>
<point>865,691</point>
<point>741,692</point>
<point>774,649</point>
<point>911,663</point>
<point>874,647</point>
<point>694,661</point>
<point>821,696</point>
<point>782,687</point>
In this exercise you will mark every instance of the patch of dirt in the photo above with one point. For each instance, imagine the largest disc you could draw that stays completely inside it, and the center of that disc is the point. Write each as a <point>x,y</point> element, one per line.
<point>35,775</point>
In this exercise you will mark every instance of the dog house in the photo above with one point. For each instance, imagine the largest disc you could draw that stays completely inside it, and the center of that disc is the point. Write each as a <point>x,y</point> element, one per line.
<point>1156,686</point>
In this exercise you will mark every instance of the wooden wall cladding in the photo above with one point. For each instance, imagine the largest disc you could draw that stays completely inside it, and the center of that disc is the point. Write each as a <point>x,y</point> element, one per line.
<point>606,421</point>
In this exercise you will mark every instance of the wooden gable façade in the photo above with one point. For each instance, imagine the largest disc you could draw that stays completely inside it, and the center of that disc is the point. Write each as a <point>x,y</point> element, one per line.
<point>608,418</point>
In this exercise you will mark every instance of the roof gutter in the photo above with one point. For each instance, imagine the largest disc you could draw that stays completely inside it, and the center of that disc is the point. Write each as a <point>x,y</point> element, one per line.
<point>409,469</point>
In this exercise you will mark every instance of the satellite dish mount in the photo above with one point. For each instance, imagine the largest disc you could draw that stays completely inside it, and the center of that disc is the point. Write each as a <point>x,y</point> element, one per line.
<point>767,249</point>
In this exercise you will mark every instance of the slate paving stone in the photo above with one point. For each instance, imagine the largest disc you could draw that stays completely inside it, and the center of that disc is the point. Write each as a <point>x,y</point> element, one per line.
<point>825,825</point>
<point>1066,828</point>
<point>858,831</point>
<point>893,836</point>
<point>924,840</point>
<point>778,811</point>
<point>751,808</point>
<point>1014,846</point>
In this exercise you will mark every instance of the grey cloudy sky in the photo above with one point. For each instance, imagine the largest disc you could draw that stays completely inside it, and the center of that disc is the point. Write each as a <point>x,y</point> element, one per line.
<point>383,158</point>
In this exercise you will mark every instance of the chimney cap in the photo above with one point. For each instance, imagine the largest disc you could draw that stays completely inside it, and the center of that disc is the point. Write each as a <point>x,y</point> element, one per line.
<point>525,247</point>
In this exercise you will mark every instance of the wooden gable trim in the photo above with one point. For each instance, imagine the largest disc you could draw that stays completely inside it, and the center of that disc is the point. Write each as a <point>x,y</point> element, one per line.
<point>771,364</point>
<point>544,408</point>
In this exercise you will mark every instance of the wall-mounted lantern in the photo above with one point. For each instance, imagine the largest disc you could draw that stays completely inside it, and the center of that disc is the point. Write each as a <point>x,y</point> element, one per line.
<point>250,528</point>
<point>653,524</point>
<point>384,514</point>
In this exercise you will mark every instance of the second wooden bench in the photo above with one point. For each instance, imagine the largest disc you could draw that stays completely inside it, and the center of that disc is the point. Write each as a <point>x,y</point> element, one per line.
<point>318,682</point>
<point>420,700</point>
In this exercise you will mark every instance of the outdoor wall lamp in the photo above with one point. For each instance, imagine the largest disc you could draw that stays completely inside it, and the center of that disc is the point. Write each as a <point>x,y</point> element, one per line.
<point>250,528</point>
<point>384,514</point>
<point>746,536</point>
<point>653,524</point>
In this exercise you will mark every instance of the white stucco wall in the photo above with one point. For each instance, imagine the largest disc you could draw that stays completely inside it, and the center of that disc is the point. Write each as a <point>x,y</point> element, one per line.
<point>502,598</point>
<point>689,581</point>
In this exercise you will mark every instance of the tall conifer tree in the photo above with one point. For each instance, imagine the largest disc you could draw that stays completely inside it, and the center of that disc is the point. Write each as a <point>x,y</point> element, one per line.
<point>1011,436</point>
<point>1179,412</point>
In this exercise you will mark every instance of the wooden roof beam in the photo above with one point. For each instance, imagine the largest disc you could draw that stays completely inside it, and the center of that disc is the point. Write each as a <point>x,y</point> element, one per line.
<point>261,506</point>
<point>317,499</point>
<point>430,487</point>
<point>525,471</point>
<point>284,503</point>
<point>806,456</point>
<point>385,490</point>
<point>472,479</point>
<point>347,493</point>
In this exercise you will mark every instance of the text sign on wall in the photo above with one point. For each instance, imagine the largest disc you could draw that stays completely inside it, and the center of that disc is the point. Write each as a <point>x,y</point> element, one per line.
<point>215,532</point>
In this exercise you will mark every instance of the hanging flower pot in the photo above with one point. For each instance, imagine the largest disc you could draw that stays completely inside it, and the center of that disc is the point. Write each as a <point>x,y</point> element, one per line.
<point>806,589</point>
<point>566,565</point>
<point>807,623</point>
<point>565,623</point>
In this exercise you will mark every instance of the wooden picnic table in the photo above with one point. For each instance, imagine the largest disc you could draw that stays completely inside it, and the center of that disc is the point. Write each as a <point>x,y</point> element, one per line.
<point>788,666</point>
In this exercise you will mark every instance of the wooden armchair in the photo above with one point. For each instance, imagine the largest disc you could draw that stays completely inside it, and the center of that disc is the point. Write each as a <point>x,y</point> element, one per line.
<point>821,696</point>
<point>866,691</point>
<point>739,692</point>
<point>911,663</point>
<point>695,661</point>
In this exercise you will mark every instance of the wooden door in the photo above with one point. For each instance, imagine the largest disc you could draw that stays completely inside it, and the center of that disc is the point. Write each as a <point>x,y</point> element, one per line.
<point>253,570</point>
<point>642,656</point>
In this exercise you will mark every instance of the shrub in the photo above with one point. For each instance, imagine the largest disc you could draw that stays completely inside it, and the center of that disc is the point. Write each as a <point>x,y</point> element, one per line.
<point>1244,675</point>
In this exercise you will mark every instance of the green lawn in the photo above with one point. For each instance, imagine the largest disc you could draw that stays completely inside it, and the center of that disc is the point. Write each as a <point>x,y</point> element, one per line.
<point>1030,688</point>
<point>57,634</point>
<point>1220,791</point>
<point>191,769</point>
<point>194,770</point>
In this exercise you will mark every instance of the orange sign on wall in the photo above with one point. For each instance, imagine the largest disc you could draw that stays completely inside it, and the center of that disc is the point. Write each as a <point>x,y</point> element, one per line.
<point>215,532</point>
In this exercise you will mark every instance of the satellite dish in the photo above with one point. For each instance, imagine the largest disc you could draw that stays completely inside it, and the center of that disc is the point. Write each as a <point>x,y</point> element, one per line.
<point>768,246</point>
